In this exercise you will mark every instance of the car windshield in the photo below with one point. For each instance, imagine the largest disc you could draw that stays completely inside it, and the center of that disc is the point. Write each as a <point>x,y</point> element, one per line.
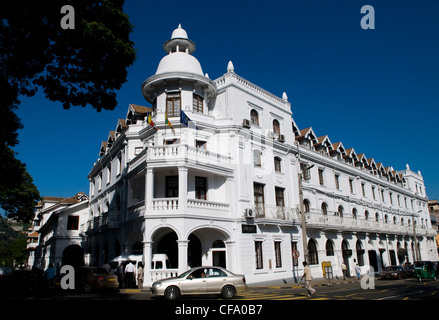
<point>184,274</point>
<point>390,268</point>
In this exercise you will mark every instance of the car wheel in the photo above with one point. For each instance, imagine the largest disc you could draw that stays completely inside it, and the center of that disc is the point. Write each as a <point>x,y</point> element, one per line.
<point>172,293</point>
<point>88,288</point>
<point>228,292</point>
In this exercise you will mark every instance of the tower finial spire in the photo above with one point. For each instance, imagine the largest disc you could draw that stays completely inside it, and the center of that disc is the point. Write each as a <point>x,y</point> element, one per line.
<point>230,67</point>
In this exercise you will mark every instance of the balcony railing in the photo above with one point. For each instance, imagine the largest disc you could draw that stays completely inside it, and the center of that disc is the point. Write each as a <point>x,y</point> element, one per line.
<point>317,219</point>
<point>162,274</point>
<point>183,152</point>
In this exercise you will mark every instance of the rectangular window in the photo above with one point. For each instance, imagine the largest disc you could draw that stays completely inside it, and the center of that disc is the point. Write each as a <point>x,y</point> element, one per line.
<point>373,193</point>
<point>200,188</point>
<point>351,185</point>
<point>197,103</point>
<point>72,222</point>
<point>258,254</point>
<point>109,174</point>
<point>363,190</point>
<point>337,181</point>
<point>257,158</point>
<point>321,177</point>
<point>258,191</point>
<point>173,104</point>
<point>119,164</point>
<point>171,186</point>
<point>277,252</point>
<point>277,164</point>
<point>279,197</point>
<point>200,144</point>
<point>258,194</point>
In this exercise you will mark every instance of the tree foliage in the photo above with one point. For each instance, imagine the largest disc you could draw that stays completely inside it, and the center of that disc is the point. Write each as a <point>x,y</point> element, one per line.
<point>77,67</point>
<point>18,194</point>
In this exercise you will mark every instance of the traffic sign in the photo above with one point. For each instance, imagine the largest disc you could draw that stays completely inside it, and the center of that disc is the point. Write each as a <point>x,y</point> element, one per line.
<point>296,254</point>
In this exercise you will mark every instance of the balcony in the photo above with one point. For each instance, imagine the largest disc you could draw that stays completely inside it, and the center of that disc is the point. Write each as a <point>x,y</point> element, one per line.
<point>331,221</point>
<point>182,153</point>
<point>203,207</point>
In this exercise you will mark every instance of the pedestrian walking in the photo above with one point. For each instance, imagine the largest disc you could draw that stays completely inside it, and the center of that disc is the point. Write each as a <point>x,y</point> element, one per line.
<point>343,270</point>
<point>308,278</point>
<point>358,271</point>
<point>129,275</point>
<point>121,276</point>
<point>140,276</point>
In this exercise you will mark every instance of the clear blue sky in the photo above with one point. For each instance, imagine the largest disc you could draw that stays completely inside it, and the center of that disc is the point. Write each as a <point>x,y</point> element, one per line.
<point>374,90</point>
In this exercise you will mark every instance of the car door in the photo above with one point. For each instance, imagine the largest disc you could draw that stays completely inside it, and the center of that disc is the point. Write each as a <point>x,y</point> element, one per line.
<point>195,282</point>
<point>216,278</point>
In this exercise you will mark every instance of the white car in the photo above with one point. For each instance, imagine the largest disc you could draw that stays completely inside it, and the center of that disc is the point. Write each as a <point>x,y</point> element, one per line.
<point>201,280</point>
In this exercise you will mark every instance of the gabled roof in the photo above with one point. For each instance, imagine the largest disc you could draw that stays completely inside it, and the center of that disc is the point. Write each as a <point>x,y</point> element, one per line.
<point>338,146</point>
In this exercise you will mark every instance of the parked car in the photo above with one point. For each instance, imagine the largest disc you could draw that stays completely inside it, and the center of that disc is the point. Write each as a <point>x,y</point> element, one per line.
<point>410,269</point>
<point>393,272</point>
<point>91,278</point>
<point>201,280</point>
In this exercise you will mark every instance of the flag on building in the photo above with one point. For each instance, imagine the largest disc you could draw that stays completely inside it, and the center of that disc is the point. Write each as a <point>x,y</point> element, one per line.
<point>186,121</point>
<point>150,122</point>
<point>168,123</point>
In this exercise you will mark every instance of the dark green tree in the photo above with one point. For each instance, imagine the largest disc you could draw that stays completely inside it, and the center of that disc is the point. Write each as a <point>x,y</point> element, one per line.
<point>77,67</point>
<point>18,194</point>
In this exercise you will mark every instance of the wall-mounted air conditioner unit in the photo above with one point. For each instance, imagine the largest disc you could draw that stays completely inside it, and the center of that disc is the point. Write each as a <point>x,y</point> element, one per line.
<point>246,123</point>
<point>249,214</point>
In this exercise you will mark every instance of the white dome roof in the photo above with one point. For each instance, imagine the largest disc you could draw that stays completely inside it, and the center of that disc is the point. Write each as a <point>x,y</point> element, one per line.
<point>179,33</point>
<point>179,62</point>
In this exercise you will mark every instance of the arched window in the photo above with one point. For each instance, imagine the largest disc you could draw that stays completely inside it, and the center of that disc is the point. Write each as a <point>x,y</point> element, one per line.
<point>329,248</point>
<point>324,208</point>
<point>354,213</point>
<point>360,253</point>
<point>306,205</point>
<point>276,126</point>
<point>377,216</point>
<point>312,252</point>
<point>340,211</point>
<point>366,215</point>
<point>254,117</point>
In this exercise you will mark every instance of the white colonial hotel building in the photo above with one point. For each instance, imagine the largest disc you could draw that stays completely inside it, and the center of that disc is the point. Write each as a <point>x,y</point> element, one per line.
<point>228,193</point>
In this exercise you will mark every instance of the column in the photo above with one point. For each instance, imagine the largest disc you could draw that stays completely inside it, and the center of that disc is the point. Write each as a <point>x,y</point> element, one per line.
<point>147,256</point>
<point>182,255</point>
<point>149,189</point>
<point>182,189</point>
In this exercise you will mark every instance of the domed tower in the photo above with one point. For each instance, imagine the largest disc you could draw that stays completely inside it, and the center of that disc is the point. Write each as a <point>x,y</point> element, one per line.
<point>179,83</point>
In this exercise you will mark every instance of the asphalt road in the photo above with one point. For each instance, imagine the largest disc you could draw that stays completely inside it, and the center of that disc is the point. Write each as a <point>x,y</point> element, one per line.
<point>408,289</point>
<point>256,303</point>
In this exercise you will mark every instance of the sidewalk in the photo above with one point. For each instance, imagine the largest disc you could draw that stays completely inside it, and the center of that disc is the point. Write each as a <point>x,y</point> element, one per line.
<point>291,284</point>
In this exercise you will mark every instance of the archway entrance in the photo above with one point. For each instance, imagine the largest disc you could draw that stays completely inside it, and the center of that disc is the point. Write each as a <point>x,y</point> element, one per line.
<point>165,241</point>
<point>346,253</point>
<point>194,251</point>
<point>207,246</point>
<point>73,255</point>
